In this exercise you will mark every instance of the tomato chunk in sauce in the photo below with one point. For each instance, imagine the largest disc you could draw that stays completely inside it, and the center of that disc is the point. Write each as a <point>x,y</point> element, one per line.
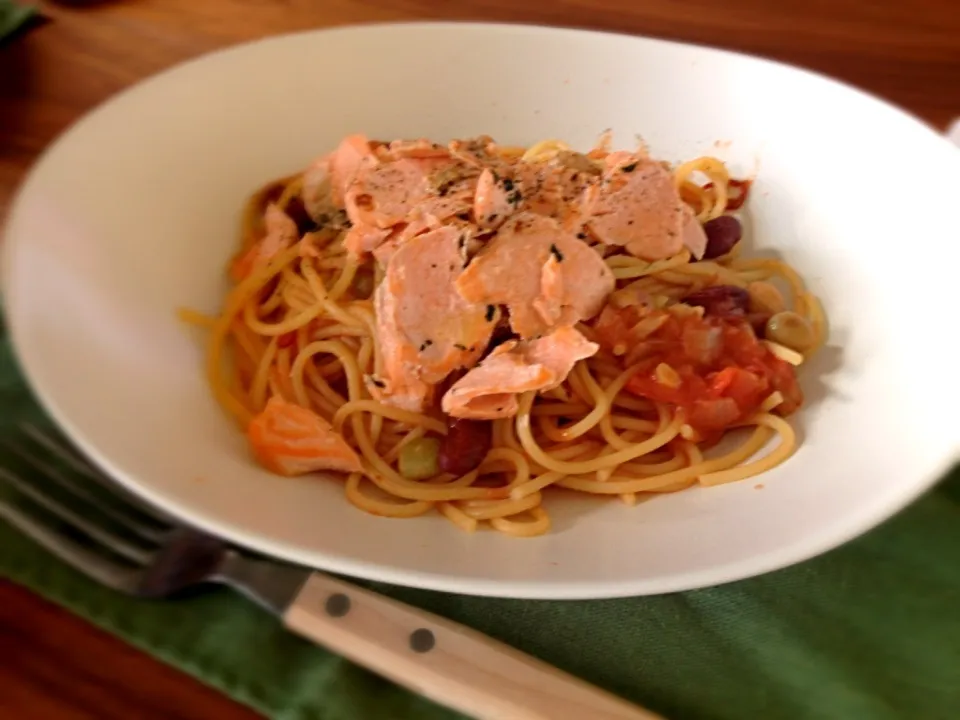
<point>714,368</point>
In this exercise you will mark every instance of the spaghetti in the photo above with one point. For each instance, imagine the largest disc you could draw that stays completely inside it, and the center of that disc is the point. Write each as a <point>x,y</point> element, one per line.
<point>300,326</point>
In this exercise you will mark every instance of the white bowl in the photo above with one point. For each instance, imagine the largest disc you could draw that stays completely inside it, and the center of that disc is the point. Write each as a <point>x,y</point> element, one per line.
<point>134,212</point>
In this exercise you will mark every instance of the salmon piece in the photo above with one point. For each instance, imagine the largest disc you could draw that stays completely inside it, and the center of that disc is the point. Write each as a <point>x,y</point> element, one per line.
<point>554,189</point>
<point>406,392</point>
<point>394,193</point>
<point>619,158</point>
<point>352,155</point>
<point>382,196</point>
<point>475,151</point>
<point>317,190</point>
<point>694,237</point>
<point>362,239</point>
<point>281,233</point>
<point>515,269</point>
<point>291,440</point>
<point>638,207</point>
<point>425,328</point>
<point>400,235</point>
<point>421,148</point>
<point>491,390</point>
<point>551,299</point>
<point>491,206</point>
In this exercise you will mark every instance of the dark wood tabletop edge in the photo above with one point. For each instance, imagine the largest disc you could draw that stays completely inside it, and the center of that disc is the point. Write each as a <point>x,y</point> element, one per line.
<point>55,666</point>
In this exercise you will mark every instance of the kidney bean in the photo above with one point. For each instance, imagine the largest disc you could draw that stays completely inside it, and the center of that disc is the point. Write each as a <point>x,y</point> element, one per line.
<point>466,444</point>
<point>722,234</point>
<point>720,300</point>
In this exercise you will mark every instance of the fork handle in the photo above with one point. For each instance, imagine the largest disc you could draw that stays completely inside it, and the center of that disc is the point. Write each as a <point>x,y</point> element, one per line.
<point>447,662</point>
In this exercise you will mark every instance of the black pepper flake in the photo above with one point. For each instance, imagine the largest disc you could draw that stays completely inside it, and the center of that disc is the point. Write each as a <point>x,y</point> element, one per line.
<point>378,382</point>
<point>433,265</point>
<point>425,344</point>
<point>555,251</point>
<point>629,168</point>
<point>575,177</point>
<point>492,217</point>
<point>347,223</point>
<point>491,311</point>
<point>507,184</point>
<point>462,242</point>
<point>514,198</point>
<point>308,226</point>
<point>629,222</point>
<point>461,347</point>
<point>581,236</point>
<point>464,216</point>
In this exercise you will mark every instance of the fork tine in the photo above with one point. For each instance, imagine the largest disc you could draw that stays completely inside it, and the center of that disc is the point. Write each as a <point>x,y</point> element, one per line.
<point>112,574</point>
<point>62,450</point>
<point>54,443</point>
<point>144,527</point>
<point>112,541</point>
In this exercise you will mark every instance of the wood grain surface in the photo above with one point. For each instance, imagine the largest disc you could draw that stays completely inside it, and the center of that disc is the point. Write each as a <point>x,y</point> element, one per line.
<point>55,667</point>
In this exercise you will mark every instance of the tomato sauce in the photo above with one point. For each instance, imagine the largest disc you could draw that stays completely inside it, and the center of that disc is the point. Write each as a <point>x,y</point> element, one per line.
<point>714,368</point>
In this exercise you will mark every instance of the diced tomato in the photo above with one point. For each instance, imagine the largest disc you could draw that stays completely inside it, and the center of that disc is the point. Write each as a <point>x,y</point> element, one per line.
<point>646,384</point>
<point>739,190</point>
<point>725,373</point>
<point>747,389</point>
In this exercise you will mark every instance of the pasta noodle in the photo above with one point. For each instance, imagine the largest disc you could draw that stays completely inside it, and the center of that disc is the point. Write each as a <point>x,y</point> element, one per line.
<point>298,327</point>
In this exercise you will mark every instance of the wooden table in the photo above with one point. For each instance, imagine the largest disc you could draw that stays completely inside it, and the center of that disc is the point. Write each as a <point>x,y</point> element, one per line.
<point>55,667</point>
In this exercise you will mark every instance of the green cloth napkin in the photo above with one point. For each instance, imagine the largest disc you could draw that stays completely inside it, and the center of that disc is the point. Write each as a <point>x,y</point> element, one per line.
<point>13,17</point>
<point>868,632</point>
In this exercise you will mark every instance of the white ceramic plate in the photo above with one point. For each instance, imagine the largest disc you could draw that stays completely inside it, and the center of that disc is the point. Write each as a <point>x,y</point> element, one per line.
<point>134,212</point>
